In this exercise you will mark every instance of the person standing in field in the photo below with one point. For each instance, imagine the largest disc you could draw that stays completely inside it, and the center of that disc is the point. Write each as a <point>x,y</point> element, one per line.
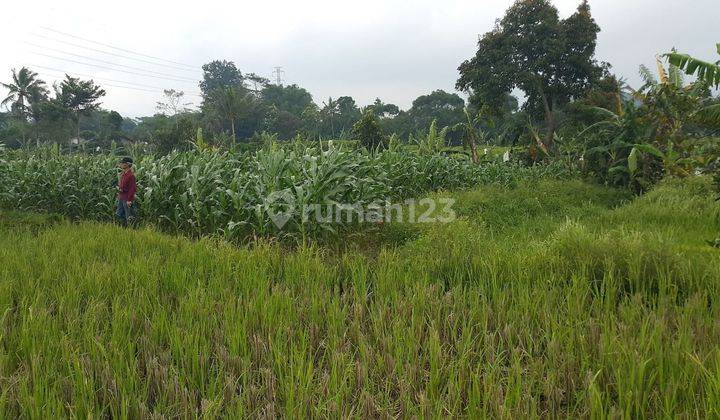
<point>127,186</point>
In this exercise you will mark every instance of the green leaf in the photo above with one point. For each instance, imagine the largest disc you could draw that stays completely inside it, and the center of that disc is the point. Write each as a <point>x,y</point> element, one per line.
<point>649,149</point>
<point>617,169</point>
<point>633,161</point>
<point>708,72</point>
<point>709,115</point>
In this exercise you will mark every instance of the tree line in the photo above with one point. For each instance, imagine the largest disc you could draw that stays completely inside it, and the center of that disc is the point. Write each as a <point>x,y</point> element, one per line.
<point>236,108</point>
<point>574,107</point>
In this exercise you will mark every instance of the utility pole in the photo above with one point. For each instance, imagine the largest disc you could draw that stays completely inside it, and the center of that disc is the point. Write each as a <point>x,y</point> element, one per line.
<point>278,73</point>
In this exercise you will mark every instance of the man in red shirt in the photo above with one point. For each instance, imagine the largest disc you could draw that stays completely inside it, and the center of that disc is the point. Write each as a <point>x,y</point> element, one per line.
<point>127,186</point>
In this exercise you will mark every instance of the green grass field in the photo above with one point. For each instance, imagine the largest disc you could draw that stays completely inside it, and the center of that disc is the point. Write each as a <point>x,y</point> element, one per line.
<point>550,299</point>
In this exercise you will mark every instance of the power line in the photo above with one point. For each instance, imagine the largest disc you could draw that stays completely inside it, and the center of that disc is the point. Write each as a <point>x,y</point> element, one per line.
<point>112,69</point>
<point>116,86</point>
<point>165,75</point>
<point>156,88</point>
<point>115,48</point>
<point>113,54</point>
<point>103,61</point>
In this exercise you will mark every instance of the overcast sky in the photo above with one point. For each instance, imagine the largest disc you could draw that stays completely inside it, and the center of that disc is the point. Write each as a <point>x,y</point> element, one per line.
<point>392,49</point>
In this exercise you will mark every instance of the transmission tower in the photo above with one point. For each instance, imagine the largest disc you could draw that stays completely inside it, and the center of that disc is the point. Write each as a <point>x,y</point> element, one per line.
<point>278,72</point>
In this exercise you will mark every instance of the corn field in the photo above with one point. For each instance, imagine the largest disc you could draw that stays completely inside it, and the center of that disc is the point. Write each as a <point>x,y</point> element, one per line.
<point>226,194</point>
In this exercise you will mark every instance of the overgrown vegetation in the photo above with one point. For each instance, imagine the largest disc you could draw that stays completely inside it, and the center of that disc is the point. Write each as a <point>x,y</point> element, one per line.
<point>579,280</point>
<point>575,110</point>
<point>606,310</point>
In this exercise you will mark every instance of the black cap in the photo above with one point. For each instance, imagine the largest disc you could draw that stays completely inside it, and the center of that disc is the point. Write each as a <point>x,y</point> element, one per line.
<point>126,160</point>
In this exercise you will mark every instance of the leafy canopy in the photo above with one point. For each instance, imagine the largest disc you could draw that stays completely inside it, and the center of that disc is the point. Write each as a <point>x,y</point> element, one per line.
<point>220,74</point>
<point>550,59</point>
<point>24,91</point>
<point>368,131</point>
<point>79,96</point>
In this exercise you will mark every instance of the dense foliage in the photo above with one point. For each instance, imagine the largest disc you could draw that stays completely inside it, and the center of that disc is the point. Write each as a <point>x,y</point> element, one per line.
<point>215,192</point>
<point>574,111</point>
<point>551,60</point>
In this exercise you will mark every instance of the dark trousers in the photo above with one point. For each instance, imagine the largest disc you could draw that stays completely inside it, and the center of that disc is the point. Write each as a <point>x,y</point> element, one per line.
<point>125,214</point>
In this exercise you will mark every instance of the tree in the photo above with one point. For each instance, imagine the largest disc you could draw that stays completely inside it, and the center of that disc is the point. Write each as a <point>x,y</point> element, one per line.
<point>230,104</point>
<point>347,114</point>
<point>114,120</point>
<point>651,134</point>
<point>708,73</point>
<point>311,122</point>
<point>283,124</point>
<point>173,103</point>
<point>327,116</point>
<point>176,137</point>
<point>443,107</point>
<point>431,142</point>
<point>99,125</point>
<point>53,122</point>
<point>474,129</point>
<point>367,130</point>
<point>338,116</point>
<point>78,97</point>
<point>550,60</point>
<point>258,83</point>
<point>13,132</point>
<point>401,125</point>
<point>112,125</point>
<point>285,106</point>
<point>220,74</point>
<point>383,110</point>
<point>25,90</point>
<point>166,135</point>
<point>292,98</point>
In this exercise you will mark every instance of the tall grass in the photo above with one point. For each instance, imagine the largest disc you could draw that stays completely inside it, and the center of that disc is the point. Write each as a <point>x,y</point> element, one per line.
<point>595,307</point>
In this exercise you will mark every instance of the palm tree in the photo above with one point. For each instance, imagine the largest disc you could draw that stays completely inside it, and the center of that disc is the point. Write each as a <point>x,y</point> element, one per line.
<point>330,109</point>
<point>25,89</point>
<point>230,103</point>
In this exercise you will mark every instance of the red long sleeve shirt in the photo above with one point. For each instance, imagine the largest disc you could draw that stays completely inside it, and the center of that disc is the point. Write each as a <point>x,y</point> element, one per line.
<point>127,186</point>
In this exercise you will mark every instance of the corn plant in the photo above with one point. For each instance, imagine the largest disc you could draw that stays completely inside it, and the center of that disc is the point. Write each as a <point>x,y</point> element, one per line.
<point>234,194</point>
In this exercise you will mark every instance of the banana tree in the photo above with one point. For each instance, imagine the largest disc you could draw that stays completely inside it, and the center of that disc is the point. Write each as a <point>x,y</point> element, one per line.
<point>673,162</point>
<point>706,71</point>
<point>474,130</point>
<point>433,141</point>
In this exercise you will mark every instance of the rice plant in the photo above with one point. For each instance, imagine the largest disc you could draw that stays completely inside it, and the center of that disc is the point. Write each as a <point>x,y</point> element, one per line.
<point>608,309</point>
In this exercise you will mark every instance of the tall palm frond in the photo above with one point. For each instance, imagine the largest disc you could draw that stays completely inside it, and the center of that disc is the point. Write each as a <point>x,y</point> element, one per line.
<point>23,91</point>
